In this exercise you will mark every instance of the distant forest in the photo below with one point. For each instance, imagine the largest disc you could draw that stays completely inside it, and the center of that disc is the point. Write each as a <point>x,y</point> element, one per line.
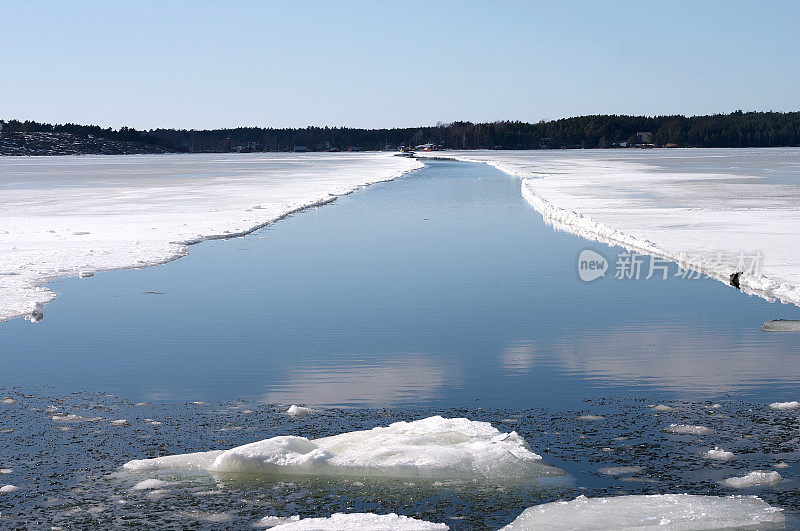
<point>738,129</point>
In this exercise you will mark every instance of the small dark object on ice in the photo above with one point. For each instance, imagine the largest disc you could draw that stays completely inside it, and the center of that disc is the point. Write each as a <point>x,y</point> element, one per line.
<point>735,279</point>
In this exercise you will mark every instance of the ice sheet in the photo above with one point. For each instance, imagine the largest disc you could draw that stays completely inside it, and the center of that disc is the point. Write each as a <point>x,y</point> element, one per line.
<point>434,447</point>
<point>643,512</point>
<point>617,197</point>
<point>74,216</point>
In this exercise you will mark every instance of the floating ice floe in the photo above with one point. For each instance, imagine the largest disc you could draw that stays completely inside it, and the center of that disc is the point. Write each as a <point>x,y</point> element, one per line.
<point>67,418</point>
<point>754,479</point>
<point>6,471</point>
<point>204,516</point>
<point>8,489</point>
<point>120,422</point>
<point>685,429</point>
<point>156,494</point>
<point>714,406</point>
<point>8,401</point>
<point>591,417</point>
<point>645,512</point>
<point>272,521</point>
<point>621,470</point>
<point>781,325</point>
<point>433,448</point>
<point>149,484</point>
<point>295,411</point>
<point>785,405</point>
<point>719,454</point>
<point>663,408</point>
<point>373,522</point>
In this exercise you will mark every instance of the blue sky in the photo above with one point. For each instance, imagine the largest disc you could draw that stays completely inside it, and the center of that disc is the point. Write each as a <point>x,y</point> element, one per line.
<point>381,64</point>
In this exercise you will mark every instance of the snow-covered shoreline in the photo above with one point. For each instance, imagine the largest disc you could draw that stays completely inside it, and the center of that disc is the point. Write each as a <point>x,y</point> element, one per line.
<point>618,198</point>
<point>76,216</point>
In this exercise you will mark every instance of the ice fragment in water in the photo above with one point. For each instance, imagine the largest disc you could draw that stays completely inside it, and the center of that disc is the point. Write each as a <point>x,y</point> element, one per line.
<point>433,448</point>
<point>373,522</point>
<point>756,478</point>
<point>644,512</point>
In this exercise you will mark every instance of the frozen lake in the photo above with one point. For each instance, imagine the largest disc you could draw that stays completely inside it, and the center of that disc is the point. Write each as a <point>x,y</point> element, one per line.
<point>442,288</point>
<point>440,293</point>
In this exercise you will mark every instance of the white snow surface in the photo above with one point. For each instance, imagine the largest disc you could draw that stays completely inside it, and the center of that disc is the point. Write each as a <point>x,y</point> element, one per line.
<point>644,512</point>
<point>434,447</point>
<point>619,197</point>
<point>74,216</point>
<point>350,521</point>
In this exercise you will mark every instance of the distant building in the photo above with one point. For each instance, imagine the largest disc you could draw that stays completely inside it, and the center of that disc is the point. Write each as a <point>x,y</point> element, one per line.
<point>300,149</point>
<point>645,137</point>
<point>428,147</point>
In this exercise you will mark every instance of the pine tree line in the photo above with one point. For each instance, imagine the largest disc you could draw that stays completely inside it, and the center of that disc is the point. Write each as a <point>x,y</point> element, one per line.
<point>738,129</point>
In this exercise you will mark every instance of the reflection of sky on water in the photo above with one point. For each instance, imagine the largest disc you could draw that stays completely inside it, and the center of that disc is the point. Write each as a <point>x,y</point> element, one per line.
<point>445,289</point>
<point>690,363</point>
<point>374,381</point>
<point>518,357</point>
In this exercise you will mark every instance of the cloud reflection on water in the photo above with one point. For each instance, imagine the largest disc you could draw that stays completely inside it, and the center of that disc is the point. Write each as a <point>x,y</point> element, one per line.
<point>690,361</point>
<point>380,380</point>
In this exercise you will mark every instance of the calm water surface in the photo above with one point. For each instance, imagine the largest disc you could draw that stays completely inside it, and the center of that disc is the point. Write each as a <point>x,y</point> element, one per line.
<point>443,288</point>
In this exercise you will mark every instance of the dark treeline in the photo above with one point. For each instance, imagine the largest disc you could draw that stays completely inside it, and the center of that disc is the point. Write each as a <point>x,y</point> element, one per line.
<point>738,129</point>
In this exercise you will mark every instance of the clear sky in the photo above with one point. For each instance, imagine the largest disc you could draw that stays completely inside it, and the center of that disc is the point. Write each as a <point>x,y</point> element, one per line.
<point>381,64</point>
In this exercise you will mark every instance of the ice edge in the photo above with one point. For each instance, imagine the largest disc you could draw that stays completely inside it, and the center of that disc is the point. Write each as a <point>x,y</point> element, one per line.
<point>34,310</point>
<point>584,226</point>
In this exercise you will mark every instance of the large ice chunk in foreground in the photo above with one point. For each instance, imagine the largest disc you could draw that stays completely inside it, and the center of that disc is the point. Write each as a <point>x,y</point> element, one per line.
<point>434,447</point>
<point>661,511</point>
<point>374,522</point>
